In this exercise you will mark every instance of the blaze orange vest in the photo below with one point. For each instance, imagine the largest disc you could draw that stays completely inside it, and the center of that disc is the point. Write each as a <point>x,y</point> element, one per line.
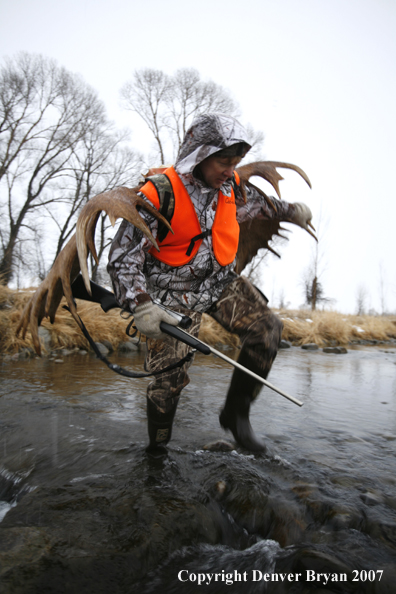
<point>180,248</point>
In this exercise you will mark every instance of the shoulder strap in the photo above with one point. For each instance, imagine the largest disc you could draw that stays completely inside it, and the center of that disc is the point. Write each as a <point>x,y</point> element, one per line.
<point>235,182</point>
<point>166,197</point>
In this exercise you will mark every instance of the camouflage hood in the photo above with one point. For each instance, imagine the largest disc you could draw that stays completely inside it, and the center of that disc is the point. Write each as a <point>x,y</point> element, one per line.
<point>207,135</point>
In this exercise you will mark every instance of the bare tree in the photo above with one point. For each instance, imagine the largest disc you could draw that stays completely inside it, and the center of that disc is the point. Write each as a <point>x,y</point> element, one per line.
<point>283,304</point>
<point>100,162</point>
<point>314,292</point>
<point>382,288</point>
<point>44,113</point>
<point>168,104</point>
<point>361,300</point>
<point>188,96</point>
<point>146,94</point>
<point>311,278</point>
<point>123,167</point>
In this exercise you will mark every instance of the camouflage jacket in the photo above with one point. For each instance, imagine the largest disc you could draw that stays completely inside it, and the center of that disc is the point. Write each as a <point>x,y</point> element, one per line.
<point>198,284</point>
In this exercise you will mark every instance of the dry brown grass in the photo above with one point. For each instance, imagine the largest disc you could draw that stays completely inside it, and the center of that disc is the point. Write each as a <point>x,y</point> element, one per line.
<point>330,327</point>
<point>64,332</point>
<point>325,327</point>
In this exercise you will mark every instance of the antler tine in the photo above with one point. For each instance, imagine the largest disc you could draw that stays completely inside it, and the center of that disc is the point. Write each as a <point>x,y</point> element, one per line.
<point>46,299</point>
<point>117,203</point>
<point>310,232</point>
<point>90,236</point>
<point>272,251</point>
<point>267,170</point>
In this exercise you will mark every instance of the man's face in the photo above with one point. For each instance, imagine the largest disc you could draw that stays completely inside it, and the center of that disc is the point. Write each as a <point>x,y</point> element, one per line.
<point>216,170</point>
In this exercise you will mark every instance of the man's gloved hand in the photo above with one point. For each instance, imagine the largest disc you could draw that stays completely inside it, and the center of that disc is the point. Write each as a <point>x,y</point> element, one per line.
<point>302,217</point>
<point>149,316</point>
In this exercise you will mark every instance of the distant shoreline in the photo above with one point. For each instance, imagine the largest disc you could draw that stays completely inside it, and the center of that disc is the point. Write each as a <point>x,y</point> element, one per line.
<point>301,327</point>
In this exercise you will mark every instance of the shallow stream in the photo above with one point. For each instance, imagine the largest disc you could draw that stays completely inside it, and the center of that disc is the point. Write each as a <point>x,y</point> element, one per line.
<point>85,510</point>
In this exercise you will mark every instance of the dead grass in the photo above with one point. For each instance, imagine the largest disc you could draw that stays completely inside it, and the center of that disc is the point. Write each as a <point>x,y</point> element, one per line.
<point>329,327</point>
<point>300,327</point>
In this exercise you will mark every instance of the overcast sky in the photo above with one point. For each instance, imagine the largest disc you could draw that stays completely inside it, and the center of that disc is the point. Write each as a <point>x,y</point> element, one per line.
<point>318,77</point>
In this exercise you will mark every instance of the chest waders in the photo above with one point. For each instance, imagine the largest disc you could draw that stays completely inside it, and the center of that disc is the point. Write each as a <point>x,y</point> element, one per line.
<point>245,383</point>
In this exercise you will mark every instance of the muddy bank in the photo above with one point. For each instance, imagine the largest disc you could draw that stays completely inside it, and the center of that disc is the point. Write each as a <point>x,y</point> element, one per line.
<point>94,514</point>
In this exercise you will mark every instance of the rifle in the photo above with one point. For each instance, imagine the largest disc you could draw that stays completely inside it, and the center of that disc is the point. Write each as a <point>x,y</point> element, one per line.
<point>107,301</point>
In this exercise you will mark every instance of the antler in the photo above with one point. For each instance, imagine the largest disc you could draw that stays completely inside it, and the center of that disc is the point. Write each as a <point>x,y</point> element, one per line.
<point>46,299</point>
<point>118,203</point>
<point>257,233</point>
<point>126,202</point>
<point>267,170</point>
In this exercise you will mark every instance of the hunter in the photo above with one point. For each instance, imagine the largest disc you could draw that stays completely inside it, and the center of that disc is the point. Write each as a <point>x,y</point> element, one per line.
<point>193,273</point>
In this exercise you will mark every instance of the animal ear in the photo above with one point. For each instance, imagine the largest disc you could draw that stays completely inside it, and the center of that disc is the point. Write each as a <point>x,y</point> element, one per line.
<point>117,203</point>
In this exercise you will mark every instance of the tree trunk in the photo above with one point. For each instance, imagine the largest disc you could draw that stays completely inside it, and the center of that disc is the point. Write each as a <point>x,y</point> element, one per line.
<point>314,293</point>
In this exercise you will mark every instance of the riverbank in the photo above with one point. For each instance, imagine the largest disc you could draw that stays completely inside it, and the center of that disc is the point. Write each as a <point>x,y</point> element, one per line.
<point>301,327</point>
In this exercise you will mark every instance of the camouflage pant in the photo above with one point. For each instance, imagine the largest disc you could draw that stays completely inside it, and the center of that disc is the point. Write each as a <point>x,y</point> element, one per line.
<point>242,310</point>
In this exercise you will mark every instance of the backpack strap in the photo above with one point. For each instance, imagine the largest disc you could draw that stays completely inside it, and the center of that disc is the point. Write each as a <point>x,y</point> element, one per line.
<point>162,184</point>
<point>235,182</point>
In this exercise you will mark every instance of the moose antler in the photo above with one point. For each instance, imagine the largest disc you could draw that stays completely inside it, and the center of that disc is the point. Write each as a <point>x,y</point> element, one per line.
<point>257,233</point>
<point>267,170</point>
<point>117,203</point>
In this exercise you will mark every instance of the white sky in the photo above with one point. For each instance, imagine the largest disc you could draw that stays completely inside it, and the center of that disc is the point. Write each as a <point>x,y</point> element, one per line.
<point>318,77</point>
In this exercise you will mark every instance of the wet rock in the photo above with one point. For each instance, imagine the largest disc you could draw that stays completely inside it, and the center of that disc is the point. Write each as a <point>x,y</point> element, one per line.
<point>108,345</point>
<point>305,490</point>
<point>306,559</point>
<point>220,445</point>
<point>66,352</point>
<point>285,344</point>
<point>30,545</point>
<point>45,338</point>
<point>371,498</point>
<point>335,350</point>
<point>346,480</point>
<point>379,529</point>
<point>343,517</point>
<point>252,506</point>
<point>59,539</point>
<point>102,349</point>
<point>388,580</point>
<point>310,347</point>
<point>25,353</point>
<point>391,502</point>
<point>221,487</point>
<point>128,347</point>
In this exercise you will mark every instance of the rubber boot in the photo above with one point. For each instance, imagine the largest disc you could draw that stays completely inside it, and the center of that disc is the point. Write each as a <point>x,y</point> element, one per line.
<point>235,414</point>
<point>159,429</point>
